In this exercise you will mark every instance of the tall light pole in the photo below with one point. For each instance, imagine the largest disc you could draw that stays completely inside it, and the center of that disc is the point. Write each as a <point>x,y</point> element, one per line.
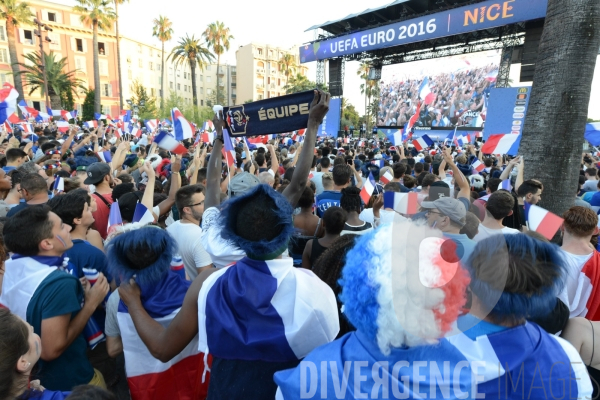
<point>136,107</point>
<point>39,34</point>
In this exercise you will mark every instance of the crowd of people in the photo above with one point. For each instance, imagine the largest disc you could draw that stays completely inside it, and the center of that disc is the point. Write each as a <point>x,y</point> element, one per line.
<point>459,99</point>
<point>288,274</point>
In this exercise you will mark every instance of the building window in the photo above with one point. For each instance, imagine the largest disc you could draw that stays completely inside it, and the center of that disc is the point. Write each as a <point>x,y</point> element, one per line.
<point>140,48</point>
<point>150,66</point>
<point>3,56</point>
<point>260,97</point>
<point>79,45</point>
<point>52,17</point>
<point>107,90</point>
<point>2,79</point>
<point>2,33</point>
<point>140,63</point>
<point>103,64</point>
<point>158,67</point>
<point>80,63</point>
<point>105,110</point>
<point>152,92</point>
<point>201,90</point>
<point>150,51</point>
<point>184,75</point>
<point>101,49</point>
<point>28,36</point>
<point>208,79</point>
<point>259,51</point>
<point>208,67</point>
<point>160,80</point>
<point>200,77</point>
<point>202,102</point>
<point>129,74</point>
<point>185,88</point>
<point>178,86</point>
<point>171,85</point>
<point>208,92</point>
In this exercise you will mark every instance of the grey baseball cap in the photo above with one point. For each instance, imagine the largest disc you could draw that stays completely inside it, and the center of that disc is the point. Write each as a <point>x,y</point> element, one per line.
<point>452,208</point>
<point>241,183</point>
<point>96,172</point>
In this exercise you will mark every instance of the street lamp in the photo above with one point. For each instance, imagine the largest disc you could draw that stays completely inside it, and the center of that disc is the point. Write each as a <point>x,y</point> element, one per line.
<point>38,33</point>
<point>136,107</point>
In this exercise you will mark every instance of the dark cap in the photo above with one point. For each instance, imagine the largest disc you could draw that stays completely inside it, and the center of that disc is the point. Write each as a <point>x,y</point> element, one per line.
<point>241,183</point>
<point>96,172</point>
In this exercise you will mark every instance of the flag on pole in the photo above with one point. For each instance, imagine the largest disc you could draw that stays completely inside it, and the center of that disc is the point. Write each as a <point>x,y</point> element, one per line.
<point>28,112</point>
<point>228,150</point>
<point>66,115</point>
<point>8,101</point>
<point>91,124</point>
<point>105,156</point>
<point>142,214</point>
<point>422,143</point>
<point>379,163</point>
<point>167,142</point>
<point>62,126</point>
<point>98,116</point>
<point>413,120</point>
<point>135,130</point>
<point>368,189</point>
<point>404,203</point>
<point>478,165</point>
<point>59,183</point>
<point>26,127</point>
<point>53,113</point>
<point>506,185</point>
<point>151,124</point>
<point>502,144</point>
<point>182,127</point>
<point>542,221</point>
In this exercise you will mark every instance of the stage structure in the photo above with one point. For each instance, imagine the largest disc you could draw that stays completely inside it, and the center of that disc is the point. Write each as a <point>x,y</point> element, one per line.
<point>412,30</point>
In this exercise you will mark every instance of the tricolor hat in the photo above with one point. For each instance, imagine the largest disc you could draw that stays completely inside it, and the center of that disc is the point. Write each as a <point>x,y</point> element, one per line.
<point>392,148</point>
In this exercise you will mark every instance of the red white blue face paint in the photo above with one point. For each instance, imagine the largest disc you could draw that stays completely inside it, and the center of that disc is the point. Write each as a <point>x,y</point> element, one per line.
<point>61,240</point>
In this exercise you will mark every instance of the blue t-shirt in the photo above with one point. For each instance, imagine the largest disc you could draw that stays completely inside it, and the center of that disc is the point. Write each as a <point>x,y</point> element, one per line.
<point>7,169</point>
<point>473,327</point>
<point>464,245</point>
<point>328,198</point>
<point>59,294</point>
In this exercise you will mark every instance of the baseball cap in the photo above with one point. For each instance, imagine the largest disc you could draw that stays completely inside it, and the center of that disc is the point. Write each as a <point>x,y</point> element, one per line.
<point>452,208</point>
<point>96,172</point>
<point>241,183</point>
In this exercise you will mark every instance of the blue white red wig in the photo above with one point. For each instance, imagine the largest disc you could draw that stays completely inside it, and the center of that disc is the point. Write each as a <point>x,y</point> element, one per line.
<point>398,289</point>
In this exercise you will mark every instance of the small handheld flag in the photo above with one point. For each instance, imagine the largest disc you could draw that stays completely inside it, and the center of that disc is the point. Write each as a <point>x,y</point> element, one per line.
<point>59,183</point>
<point>502,144</point>
<point>368,189</point>
<point>114,218</point>
<point>142,214</point>
<point>542,221</point>
<point>422,143</point>
<point>163,140</point>
<point>404,203</point>
<point>387,177</point>
<point>478,165</point>
<point>506,185</point>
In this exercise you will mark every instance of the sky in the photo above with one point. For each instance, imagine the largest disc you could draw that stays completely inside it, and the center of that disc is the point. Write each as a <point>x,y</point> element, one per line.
<point>279,23</point>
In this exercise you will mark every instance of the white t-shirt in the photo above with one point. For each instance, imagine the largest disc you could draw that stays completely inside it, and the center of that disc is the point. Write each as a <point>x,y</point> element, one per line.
<point>571,294</point>
<point>221,251</point>
<point>485,233</point>
<point>193,254</point>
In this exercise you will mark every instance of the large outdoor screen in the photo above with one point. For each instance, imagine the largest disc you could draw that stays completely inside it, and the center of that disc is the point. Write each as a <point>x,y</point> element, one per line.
<point>458,87</point>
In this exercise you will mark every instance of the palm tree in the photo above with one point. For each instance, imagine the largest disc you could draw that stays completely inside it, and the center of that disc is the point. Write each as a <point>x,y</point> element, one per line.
<point>363,73</point>
<point>162,30</point>
<point>15,13</point>
<point>99,14</point>
<point>217,36</point>
<point>190,50</point>
<point>298,83</point>
<point>60,81</point>
<point>287,64</point>
<point>117,2</point>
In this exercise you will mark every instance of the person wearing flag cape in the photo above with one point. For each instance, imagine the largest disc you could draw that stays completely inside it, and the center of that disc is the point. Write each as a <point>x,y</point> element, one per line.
<point>260,314</point>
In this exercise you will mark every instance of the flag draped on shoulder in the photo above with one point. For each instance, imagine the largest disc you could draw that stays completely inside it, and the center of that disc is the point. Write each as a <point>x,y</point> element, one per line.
<point>149,378</point>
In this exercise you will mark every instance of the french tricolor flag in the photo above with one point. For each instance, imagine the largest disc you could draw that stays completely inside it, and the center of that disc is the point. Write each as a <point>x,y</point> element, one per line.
<point>114,218</point>
<point>167,142</point>
<point>506,185</point>
<point>422,143</point>
<point>411,122</point>
<point>62,126</point>
<point>395,136</point>
<point>368,189</point>
<point>7,127</point>
<point>26,110</point>
<point>478,165</point>
<point>387,177</point>
<point>91,124</point>
<point>404,203</point>
<point>228,150</point>
<point>59,183</point>
<point>151,124</point>
<point>66,115</point>
<point>105,156</point>
<point>425,93</point>
<point>54,113</point>
<point>8,101</point>
<point>135,130</point>
<point>183,128</point>
<point>98,116</point>
<point>208,132</point>
<point>502,144</point>
<point>542,221</point>
<point>379,163</point>
<point>181,377</point>
<point>142,215</point>
<point>26,127</point>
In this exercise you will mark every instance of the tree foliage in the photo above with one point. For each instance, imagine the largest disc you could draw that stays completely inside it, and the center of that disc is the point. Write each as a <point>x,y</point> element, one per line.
<point>301,83</point>
<point>162,29</point>
<point>140,94</point>
<point>87,113</point>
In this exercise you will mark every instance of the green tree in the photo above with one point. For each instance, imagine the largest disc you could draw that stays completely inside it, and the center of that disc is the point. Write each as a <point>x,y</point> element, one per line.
<point>117,2</point>
<point>139,94</point>
<point>367,87</point>
<point>60,81</point>
<point>99,15</point>
<point>218,36</point>
<point>556,117</point>
<point>349,114</point>
<point>287,64</point>
<point>15,13</point>
<point>192,51</point>
<point>212,99</point>
<point>87,112</point>
<point>299,83</point>
<point>163,30</point>
<point>68,102</point>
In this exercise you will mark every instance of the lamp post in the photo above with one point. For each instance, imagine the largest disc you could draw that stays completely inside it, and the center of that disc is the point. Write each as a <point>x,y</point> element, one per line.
<point>136,107</point>
<point>39,34</point>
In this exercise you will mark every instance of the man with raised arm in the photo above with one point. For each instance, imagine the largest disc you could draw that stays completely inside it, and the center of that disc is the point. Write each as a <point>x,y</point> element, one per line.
<point>287,312</point>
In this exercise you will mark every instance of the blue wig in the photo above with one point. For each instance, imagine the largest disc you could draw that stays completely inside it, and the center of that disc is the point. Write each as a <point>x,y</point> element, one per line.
<point>359,290</point>
<point>145,253</point>
<point>85,161</point>
<point>518,277</point>
<point>281,211</point>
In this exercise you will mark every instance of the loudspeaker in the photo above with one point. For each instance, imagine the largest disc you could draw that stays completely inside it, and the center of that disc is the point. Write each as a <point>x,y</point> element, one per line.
<point>336,85</point>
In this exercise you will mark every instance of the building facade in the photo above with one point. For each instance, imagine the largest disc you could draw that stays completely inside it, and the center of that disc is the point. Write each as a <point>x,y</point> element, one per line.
<point>72,40</point>
<point>259,71</point>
